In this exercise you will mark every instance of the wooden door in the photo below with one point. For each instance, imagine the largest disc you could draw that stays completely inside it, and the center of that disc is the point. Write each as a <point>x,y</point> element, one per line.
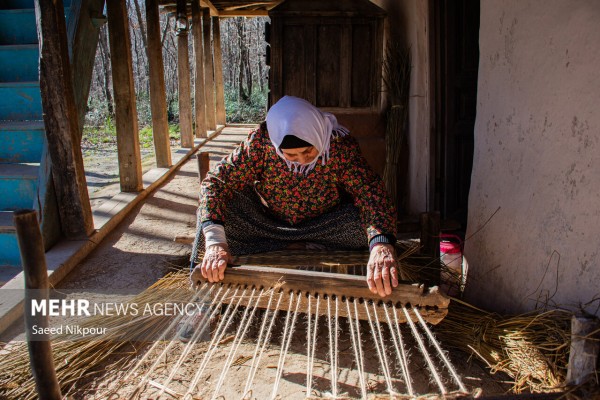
<point>456,54</point>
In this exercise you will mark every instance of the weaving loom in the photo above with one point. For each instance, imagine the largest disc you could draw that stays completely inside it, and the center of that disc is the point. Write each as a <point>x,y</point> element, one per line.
<point>302,306</point>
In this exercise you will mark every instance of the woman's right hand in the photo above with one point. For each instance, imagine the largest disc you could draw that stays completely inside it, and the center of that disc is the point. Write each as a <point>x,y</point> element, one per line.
<point>213,264</point>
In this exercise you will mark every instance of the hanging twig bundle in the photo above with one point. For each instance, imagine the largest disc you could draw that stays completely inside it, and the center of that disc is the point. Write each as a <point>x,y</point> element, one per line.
<point>396,71</point>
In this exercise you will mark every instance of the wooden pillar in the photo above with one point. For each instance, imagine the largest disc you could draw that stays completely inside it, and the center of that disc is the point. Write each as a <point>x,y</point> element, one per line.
<point>218,60</point>
<point>199,101</point>
<point>158,96</point>
<point>183,77</point>
<point>31,246</point>
<point>128,142</point>
<point>430,244</point>
<point>209,80</point>
<point>61,120</point>
<point>83,30</point>
<point>430,234</point>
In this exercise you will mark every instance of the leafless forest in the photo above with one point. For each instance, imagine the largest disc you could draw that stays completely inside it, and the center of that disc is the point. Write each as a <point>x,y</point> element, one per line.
<point>244,70</point>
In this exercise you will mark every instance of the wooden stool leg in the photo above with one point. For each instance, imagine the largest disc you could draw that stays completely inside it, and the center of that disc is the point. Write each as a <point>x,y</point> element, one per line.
<point>203,164</point>
<point>430,242</point>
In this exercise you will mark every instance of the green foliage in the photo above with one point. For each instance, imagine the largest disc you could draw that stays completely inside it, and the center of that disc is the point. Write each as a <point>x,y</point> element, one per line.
<point>105,136</point>
<point>100,136</point>
<point>146,141</point>
<point>97,112</point>
<point>143,108</point>
<point>252,111</point>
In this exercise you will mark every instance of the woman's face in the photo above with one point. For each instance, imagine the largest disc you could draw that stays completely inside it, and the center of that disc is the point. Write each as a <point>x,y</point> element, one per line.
<point>302,155</point>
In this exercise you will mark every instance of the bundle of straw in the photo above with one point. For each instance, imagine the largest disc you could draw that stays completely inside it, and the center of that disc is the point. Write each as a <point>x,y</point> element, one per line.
<point>78,360</point>
<point>396,72</point>
<point>533,348</point>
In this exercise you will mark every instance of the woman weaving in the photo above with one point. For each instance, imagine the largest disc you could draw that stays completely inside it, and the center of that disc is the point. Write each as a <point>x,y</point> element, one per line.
<point>298,178</point>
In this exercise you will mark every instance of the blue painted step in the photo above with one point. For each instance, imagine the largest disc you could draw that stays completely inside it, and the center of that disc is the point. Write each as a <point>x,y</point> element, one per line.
<point>18,185</point>
<point>14,4</point>
<point>8,243</point>
<point>19,63</point>
<point>21,141</point>
<point>18,26</point>
<point>20,101</point>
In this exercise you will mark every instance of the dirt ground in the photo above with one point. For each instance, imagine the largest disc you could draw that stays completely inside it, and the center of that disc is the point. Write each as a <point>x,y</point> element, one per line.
<point>142,249</point>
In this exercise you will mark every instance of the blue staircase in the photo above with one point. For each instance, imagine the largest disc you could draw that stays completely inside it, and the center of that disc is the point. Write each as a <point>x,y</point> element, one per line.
<point>25,173</point>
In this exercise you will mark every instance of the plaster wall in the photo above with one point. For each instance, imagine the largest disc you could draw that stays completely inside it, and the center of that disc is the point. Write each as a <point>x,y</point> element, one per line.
<point>534,203</point>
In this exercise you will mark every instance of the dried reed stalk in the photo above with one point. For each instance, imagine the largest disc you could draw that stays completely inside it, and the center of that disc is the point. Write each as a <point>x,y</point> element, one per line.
<point>79,360</point>
<point>533,348</point>
<point>396,71</point>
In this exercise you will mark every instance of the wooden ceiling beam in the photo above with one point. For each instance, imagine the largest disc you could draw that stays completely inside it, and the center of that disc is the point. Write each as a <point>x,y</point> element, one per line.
<point>243,13</point>
<point>170,6</point>
<point>213,10</point>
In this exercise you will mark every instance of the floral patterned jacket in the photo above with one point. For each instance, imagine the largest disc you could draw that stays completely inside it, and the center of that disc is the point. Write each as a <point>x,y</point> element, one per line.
<point>294,197</point>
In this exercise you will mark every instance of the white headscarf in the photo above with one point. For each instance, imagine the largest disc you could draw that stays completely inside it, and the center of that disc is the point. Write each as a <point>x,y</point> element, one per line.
<point>295,116</point>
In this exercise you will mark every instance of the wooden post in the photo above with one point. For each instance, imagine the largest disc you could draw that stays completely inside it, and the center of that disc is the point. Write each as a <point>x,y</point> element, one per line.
<point>61,121</point>
<point>209,80</point>
<point>128,142</point>
<point>584,351</point>
<point>31,246</point>
<point>158,96</point>
<point>199,101</point>
<point>183,75</point>
<point>430,244</point>
<point>203,164</point>
<point>430,234</point>
<point>83,29</point>
<point>218,60</point>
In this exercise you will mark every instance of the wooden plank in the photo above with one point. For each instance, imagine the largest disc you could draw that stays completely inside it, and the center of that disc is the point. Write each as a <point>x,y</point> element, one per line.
<point>345,64</point>
<point>329,38</point>
<point>362,72</point>
<point>199,96</point>
<point>158,96</point>
<point>432,305</point>
<point>35,270</point>
<point>243,13</point>
<point>275,60</point>
<point>61,121</point>
<point>293,66</point>
<point>209,80</point>
<point>184,79</point>
<point>310,59</point>
<point>128,143</point>
<point>213,10</point>
<point>218,60</point>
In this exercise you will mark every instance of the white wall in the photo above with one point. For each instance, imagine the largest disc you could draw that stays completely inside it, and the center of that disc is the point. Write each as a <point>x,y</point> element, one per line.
<point>537,156</point>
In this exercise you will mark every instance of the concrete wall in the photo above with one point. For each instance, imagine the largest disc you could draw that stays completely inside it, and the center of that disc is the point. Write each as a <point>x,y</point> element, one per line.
<point>537,156</point>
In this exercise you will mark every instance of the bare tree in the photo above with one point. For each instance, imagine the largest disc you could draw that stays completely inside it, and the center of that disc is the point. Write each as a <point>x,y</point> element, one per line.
<point>104,57</point>
<point>244,69</point>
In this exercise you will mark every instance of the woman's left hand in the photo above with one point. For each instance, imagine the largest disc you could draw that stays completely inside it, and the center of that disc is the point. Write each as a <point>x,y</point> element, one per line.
<point>382,269</point>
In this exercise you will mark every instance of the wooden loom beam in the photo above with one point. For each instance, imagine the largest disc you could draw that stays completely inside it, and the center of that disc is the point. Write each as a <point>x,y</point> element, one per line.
<point>432,305</point>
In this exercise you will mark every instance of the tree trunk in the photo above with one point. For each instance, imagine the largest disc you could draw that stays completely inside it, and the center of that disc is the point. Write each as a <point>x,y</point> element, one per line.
<point>104,54</point>
<point>138,13</point>
<point>242,94</point>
